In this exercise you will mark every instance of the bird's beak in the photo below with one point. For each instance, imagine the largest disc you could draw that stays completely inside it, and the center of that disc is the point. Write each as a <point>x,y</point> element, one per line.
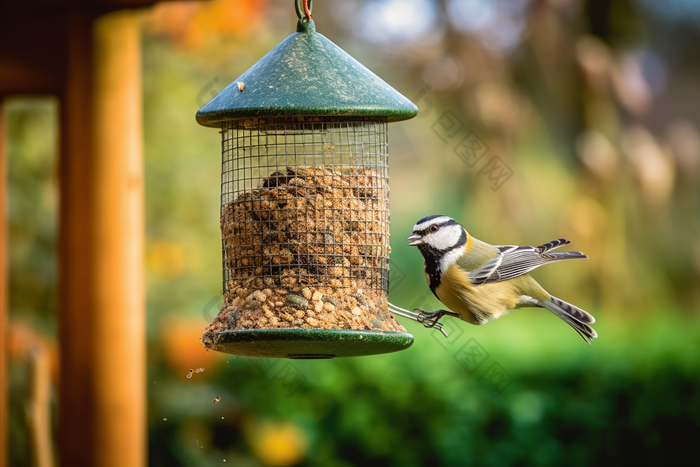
<point>414,239</point>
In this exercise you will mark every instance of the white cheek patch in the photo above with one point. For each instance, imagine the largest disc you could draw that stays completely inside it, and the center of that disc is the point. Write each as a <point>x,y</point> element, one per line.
<point>450,258</point>
<point>447,237</point>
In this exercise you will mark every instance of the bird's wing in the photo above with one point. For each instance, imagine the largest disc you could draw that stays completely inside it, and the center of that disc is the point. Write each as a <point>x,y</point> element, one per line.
<point>513,261</point>
<point>553,245</point>
<point>482,275</point>
<point>478,256</point>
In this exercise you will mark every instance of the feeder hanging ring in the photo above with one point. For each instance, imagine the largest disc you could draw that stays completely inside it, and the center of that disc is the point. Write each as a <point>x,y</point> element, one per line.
<point>304,8</point>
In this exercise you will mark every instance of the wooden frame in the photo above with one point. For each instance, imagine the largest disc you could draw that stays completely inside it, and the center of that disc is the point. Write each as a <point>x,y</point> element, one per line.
<point>88,53</point>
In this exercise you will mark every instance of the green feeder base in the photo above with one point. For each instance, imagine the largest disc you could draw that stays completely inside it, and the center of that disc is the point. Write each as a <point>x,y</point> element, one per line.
<point>308,343</point>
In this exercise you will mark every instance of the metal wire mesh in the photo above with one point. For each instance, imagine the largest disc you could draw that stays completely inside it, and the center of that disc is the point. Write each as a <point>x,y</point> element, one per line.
<point>305,201</point>
<point>305,224</point>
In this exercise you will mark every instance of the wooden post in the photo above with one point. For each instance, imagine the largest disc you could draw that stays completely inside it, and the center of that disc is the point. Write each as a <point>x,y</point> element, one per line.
<point>76,434</point>
<point>120,350</point>
<point>101,285</point>
<point>3,284</point>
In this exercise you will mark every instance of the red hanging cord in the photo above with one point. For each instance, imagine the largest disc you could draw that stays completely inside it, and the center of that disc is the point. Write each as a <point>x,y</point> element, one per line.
<point>306,9</point>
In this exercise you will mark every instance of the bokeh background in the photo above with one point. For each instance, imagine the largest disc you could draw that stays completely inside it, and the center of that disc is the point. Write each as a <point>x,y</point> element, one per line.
<point>593,107</point>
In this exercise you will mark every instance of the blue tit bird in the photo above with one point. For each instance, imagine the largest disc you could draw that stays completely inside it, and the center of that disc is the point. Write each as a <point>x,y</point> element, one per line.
<point>480,282</point>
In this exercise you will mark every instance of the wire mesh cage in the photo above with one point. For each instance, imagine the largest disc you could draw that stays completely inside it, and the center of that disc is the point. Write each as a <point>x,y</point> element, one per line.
<point>306,198</point>
<point>305,204</point>
<point>305,224</point>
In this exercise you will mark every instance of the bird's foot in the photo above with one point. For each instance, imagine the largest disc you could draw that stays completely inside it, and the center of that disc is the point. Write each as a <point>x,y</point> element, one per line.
<point>430,318</point>
<point>417,315</point>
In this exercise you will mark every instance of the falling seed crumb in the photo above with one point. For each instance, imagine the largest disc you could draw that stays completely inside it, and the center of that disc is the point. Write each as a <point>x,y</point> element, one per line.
<point>217,399</point>
<point>191,370</point>
<point>189,375</point>
<point>241,85</point>
<point>165,419</point>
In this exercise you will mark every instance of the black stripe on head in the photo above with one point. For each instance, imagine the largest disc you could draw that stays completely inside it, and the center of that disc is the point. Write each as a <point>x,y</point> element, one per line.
<point>427,224</point>
<point>429,218</point>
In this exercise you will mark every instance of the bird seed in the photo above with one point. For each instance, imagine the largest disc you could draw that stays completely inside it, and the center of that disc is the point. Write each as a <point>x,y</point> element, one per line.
<point>309,248</point>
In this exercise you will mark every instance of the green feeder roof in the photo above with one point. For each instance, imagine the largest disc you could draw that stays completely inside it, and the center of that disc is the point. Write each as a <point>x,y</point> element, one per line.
<point>306,75</point>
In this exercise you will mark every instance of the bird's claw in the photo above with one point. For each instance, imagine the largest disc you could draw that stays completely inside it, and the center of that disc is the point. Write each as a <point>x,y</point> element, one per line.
<point>431,319</point>
<point>427,319</point>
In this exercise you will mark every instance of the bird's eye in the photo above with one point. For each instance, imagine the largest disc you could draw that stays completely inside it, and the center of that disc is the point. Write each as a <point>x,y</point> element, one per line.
<point>433,228</point>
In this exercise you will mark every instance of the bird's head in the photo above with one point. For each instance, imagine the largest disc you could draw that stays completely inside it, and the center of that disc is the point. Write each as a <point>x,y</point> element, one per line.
<point>437,235</point>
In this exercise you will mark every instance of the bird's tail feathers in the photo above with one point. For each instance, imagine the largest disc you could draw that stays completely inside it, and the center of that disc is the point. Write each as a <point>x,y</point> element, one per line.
<point>577,313</point>
<point>573,316</point>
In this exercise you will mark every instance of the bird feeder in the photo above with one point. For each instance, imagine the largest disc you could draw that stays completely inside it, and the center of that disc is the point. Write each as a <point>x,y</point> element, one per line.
<point>305,204</point>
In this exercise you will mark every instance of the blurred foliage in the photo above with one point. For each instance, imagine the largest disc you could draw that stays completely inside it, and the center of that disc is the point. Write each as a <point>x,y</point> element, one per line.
<point>592,105</point>
<point>630,399</point>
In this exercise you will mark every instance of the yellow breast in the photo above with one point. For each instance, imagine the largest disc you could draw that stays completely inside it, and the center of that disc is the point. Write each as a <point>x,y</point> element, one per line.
<point>474,304</point>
